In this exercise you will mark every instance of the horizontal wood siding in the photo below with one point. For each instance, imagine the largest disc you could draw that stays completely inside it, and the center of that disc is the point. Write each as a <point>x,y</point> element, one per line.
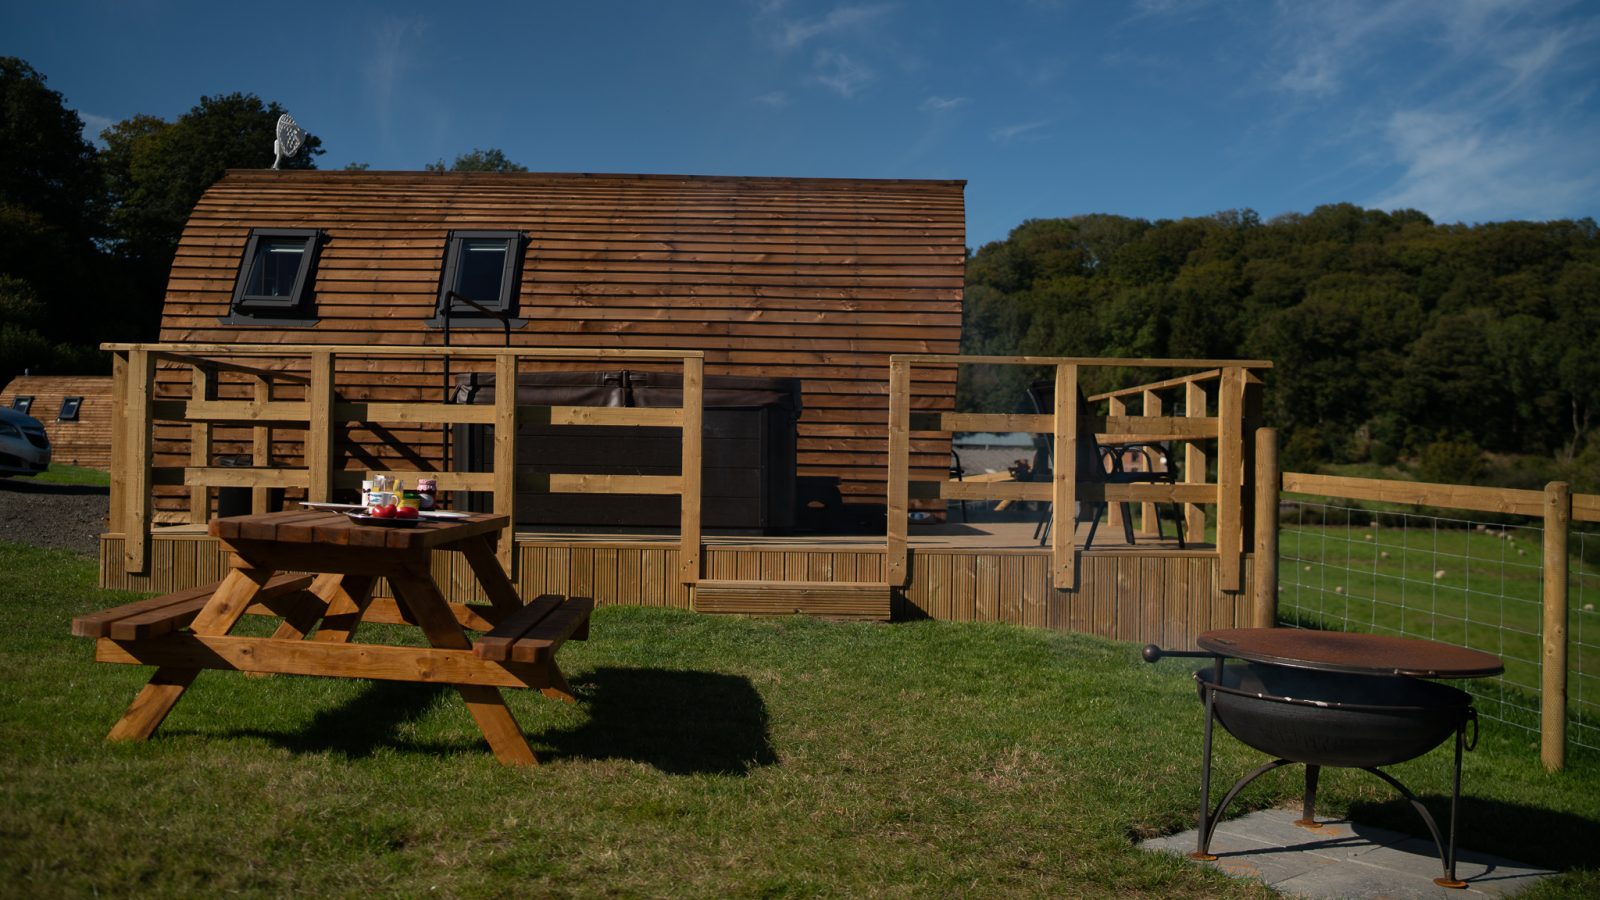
<point>1165,597</point>
<point>85,442</point>
<point>816,279</point>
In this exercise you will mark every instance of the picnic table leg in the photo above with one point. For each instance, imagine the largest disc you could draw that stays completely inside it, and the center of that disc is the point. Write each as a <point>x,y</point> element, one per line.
<point>428,606</point>
<point>347,597</point>
<point>558,689</point>
<point>486,566</point>
<point>149,709</point>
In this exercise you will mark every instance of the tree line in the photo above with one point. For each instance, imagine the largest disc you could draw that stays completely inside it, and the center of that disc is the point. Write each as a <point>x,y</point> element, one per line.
<point>1462,352</point>
<point>88,234</point>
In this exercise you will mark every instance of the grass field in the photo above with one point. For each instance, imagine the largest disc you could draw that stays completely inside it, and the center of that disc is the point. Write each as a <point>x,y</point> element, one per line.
<point>706,757</point>
<point>1453,582</point>
<point>60,473</point>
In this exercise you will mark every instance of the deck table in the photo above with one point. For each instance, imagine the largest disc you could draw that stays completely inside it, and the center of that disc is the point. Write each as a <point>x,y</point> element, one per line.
<point>347,559</point>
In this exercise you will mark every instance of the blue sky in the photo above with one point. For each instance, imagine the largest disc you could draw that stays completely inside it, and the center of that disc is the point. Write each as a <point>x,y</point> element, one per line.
<point>1469,110</point>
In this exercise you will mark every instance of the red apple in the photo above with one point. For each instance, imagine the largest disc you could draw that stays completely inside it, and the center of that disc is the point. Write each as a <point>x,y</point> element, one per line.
<point>386,511</point>
<point>405,512</point>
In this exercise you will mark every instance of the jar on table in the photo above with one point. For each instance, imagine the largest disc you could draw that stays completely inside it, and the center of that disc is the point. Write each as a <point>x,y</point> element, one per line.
<point>426,488</point>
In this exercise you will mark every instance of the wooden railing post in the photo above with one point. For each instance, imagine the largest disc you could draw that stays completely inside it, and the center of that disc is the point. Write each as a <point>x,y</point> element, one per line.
<point>1230,480</point>
<point>689,550</point>
<point>202,387</point>
<point>319,428</point>
<point>1117,406</point>
<point>1194,463</point>
<point>1064,489</point>
<point>118,499</point>
<point>1147,510</point>
<point>1264,612</point>
<point>261,445</point>
<point>505,455</point>
<point>898,504</point>
<point>1553,659</point>
<point>135,461</point>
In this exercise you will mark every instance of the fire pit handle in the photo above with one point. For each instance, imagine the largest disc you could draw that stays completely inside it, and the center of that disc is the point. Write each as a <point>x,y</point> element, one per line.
<point>1472,716</point>
<point>1152,653</point>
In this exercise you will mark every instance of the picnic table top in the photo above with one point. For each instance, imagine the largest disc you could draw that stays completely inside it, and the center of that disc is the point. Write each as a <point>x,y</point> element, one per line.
<point>333,528</point>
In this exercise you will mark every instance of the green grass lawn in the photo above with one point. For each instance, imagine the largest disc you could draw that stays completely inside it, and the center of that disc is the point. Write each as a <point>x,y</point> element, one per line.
<point>60,473</point>
<point>707,757</point>
<point>1458,585</point>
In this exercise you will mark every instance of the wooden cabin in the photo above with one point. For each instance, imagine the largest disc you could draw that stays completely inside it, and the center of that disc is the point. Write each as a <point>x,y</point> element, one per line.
<point>75,410</point>
<point>815,280</point>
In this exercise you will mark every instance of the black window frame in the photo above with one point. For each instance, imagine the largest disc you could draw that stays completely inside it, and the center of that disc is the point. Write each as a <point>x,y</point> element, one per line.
<point>297,308</point>
<point>502,309</point>
<point>70,408</point>
<point>23,404</point>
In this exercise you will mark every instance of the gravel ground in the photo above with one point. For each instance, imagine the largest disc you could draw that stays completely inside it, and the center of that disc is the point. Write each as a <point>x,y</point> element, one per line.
<point>60,516</point>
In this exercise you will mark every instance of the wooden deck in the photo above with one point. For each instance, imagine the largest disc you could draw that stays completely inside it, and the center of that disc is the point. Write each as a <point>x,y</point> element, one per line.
<point>983,572</point>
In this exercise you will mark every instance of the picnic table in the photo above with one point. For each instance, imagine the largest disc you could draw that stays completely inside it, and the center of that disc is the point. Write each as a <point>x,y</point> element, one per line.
<point>316,571</point>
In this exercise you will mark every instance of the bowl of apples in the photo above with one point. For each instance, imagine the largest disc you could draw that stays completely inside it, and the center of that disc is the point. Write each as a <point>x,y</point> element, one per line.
<point>387,515</point>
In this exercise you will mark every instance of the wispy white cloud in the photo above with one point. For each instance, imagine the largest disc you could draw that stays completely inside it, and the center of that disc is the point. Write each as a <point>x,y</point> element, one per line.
<point>792,34</point>
<point>1024,131</point>
<point>840,73</point>
<point>396,44</point>
<point>1457,168</point>
<point>942,104</point>
<point>773,99</point>
<point>93,125</point>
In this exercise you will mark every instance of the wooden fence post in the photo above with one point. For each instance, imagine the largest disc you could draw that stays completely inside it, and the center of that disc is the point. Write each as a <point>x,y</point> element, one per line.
<point>692,468</point>
<point>1265,610</point>
<point>319,430</point>
<point>261,445</point>
<point>1194,463</point>
<point>1230,480</point>
<point>505,455</point>
<point>1116,406</point>
<point>1148,524</point>
<point>1064,493</point>
<point>202,386</point>
<point>118,499</point>
<point>1553,659</point>
<point>898,504</point>
<point>135,460</point>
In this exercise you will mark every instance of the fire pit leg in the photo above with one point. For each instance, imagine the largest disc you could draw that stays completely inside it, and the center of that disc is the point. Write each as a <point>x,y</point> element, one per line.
<point>1203,833</point>
<point>1446,859</point>
<point>1308,801</point>
<point>1449,880</point>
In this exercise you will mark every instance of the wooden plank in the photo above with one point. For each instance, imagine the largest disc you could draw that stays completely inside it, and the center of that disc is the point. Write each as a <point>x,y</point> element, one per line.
<point>222,412</point>
<point>320,432</point>
<point>1154,492</point>
<point>1418,493</point>
<point>1187,382</point>
<point>496,645</point>
<point>1264,611</point>
<point>1553,635</point>
<point>291,657</point>
<point>202,386</point>
<point>260,446</point>
<point>121,465</point>
<point>541,641</point>
<point>1586,507</point>
<point>505,454</point>
<point>234,477</point>
<point>1148,525</point>
<point>1118,408</point>
<point>869,601</point>
<point>660,417</point>
<point>423,413</point>
<point>1230,481</point>
<point>898,507</point>
<point>993,422</point>
<point>1064,505</point>
<point>1194,461</point>
<point>567,483</point>
<point>1091,361</point>
<point>693,430</point>
<point>136,515</point>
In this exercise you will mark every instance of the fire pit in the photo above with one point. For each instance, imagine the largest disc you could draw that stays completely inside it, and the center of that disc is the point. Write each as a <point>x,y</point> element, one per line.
<point>1334,699</point>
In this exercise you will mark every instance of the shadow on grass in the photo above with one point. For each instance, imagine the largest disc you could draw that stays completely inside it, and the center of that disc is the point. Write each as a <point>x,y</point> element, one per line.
<point>680,722</point>
<point>1526,834</point>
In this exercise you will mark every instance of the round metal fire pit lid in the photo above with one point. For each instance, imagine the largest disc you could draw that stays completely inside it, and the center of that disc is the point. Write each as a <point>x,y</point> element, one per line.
<point>1357,654</point>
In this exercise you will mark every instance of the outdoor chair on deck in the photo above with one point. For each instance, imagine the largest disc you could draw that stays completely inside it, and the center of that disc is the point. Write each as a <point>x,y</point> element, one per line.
<point>1098,465</point>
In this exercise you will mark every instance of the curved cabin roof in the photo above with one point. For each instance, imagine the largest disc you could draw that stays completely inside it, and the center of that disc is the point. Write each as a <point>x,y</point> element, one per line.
<point>818,279</point>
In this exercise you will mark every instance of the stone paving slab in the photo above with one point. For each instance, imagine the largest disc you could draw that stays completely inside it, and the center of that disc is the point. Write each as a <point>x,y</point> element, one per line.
<point>1346,859</point>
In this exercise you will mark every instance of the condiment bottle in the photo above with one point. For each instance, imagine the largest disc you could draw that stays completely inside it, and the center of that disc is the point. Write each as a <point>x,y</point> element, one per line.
<point>426,487</point>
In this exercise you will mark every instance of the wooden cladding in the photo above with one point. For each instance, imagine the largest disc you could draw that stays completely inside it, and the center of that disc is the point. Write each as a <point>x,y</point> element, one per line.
<point>815,279</point>
<point>85,441</point>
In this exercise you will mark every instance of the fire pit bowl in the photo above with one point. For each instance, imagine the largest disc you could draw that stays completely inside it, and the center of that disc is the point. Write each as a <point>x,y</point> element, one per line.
<point>1334,719</point>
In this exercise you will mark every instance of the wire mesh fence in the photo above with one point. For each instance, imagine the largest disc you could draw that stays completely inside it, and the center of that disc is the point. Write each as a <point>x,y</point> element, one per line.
<point>1468,582</point>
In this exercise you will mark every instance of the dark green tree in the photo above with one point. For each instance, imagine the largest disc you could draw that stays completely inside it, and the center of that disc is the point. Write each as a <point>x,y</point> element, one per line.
<point>491,160</point>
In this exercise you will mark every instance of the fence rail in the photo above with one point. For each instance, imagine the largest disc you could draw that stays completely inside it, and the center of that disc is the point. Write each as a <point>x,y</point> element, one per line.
<point>324,459</point>
<point>1547,615</point>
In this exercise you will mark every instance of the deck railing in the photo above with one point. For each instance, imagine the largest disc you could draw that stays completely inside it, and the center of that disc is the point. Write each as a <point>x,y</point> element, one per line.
<point>309,371</point>
<point>1233,429</point>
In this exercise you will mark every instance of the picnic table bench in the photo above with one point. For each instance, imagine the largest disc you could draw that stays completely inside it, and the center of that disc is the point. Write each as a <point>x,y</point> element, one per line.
<point>186,631</point>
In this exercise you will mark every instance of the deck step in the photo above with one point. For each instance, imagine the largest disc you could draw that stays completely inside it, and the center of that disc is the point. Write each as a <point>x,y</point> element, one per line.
<point>859,600</point>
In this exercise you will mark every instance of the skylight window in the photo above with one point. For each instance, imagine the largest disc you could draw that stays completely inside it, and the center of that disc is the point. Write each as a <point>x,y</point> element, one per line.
<point>276,274</point>
<point>69,409</point>
<point>481,273</point>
